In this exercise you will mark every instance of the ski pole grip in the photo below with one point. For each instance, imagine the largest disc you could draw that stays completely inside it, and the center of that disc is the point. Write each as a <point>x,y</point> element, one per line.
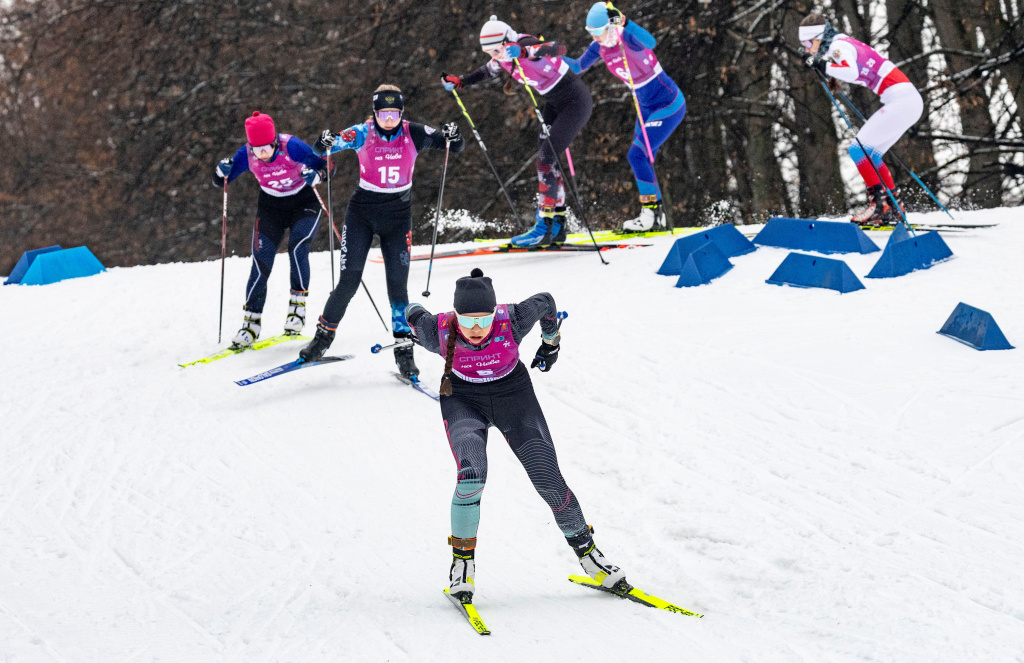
<point>377,348</point>
<point>562,315</point>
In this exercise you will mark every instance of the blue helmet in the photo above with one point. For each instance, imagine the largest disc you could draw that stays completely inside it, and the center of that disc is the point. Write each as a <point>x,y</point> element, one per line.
<point>597,17</point>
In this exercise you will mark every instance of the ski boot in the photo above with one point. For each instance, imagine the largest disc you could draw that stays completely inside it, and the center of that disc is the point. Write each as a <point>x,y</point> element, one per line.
<point>322,340</point>
<point>460,576</point>
<point>558,234</point>
<point>403,357</point>
<point>249,332</point>
<point>892,216</point>
<point>540,234</point>
<point>652,218</point>
<point>296,318</point>
<point>877,208</point>
<point>597,565</point>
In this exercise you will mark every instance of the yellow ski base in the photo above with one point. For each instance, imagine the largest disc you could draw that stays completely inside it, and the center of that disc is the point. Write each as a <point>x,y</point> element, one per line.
<point>470,613</point>
<point>634,595</point>
<point>258,345</point>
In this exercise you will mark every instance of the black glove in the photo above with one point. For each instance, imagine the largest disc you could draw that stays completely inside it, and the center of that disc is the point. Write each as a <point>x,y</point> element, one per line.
<point>324,142</point>
<point>814,62</point>
<point>615,17</point>
<point>546,357</point>
<point>450,131</point>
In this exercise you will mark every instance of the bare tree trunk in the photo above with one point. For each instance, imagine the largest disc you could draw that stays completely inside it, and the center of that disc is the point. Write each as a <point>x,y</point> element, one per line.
<point>1002,35</point>
<point>957,30</point>
<point>761,188</point>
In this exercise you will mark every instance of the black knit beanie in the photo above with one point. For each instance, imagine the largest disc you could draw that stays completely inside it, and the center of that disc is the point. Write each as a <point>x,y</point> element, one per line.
<point>474,293</point>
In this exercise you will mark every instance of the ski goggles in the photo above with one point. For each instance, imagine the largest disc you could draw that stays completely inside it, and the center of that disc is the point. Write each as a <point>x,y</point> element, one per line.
<point>597,32</point>
<point>389,116</point>
<point>263,148</point>
<point>469,322</point>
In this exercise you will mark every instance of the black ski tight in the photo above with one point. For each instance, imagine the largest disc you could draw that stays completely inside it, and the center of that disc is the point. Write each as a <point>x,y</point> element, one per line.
<point>510,405</point>
<point>394,227</point>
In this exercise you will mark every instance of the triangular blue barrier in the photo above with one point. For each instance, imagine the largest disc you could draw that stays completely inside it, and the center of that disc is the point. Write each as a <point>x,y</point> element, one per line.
<point>60,265</point>
<point>707,262</point>
<point>974,327</point>
<point>730,242</point>
<point>814,235</point>
<point>804,271</point>
<point>25,261</point>
<point>899,233</point>
<point>908,255</point>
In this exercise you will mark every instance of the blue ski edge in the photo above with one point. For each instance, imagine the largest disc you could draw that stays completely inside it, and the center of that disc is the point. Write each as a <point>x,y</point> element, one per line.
<point>289,367</point>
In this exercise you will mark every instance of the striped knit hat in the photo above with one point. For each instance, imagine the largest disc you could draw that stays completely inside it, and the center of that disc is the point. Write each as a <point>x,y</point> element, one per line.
<point>495,33</point>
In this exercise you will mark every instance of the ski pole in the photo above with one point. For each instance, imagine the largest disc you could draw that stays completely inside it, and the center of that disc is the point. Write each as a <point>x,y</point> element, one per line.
<point>895,155</point>
<point>397,344</point>
<point>437,216</point>
<point>483,147</point>
<point>330,214</point>
<point>546,134</point>
<point>335,229</point>
<point>636,100</point>
<point>223,257</point>
<point>867,154</point>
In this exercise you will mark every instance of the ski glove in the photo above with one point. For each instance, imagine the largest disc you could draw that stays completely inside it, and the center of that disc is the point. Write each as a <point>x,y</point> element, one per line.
<point>451,82</point>
<point>224,167</point>
<point>615,17</point>
<point>513,51</point>
<point>450,131</point>
<point>814,62</point>
<point>325,142</point>
<point>311,176</point>
<point>546,357</point>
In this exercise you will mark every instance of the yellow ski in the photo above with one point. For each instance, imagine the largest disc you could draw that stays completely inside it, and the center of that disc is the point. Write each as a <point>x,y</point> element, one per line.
<point>468,610</point>
<point>627,591</point>
<point>258,345</point>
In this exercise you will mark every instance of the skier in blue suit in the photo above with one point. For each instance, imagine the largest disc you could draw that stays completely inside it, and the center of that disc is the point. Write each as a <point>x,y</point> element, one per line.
<point>661,102</point>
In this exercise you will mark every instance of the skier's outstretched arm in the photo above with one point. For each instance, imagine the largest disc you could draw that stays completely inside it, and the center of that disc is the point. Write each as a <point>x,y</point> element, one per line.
<point>428,138</point>
<point>425,326</point>
<point>585,61</point>
<point>539,308</point>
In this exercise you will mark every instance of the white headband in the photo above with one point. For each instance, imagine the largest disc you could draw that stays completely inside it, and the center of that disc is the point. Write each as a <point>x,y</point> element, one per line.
<point>811,32</point>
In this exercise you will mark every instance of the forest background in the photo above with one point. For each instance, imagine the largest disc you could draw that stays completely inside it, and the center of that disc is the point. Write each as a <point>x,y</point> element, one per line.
<point>115,113</point>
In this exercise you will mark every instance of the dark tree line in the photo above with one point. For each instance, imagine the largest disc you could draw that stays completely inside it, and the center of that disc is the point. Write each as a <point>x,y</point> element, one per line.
<point>115,113</point>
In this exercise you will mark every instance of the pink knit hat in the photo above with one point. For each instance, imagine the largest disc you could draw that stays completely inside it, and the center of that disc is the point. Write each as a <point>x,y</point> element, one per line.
<point>259,129</point>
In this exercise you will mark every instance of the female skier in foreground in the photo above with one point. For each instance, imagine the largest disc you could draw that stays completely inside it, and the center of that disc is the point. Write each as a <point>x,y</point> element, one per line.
<point>486,385</point>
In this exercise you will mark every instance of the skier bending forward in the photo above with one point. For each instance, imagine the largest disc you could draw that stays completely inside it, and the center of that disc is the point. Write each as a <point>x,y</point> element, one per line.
<point>387,147</point>
<point>287,170</point>
<point>849,60</point>
<point>500,394</point>
<point>661,102</point>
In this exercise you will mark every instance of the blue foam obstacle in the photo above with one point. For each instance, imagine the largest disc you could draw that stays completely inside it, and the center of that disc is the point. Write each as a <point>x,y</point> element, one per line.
<point>902,256</point>
<point>26,260</point>
<point>974,327</point>
<point>729,241</point>
<point>804,271</point>
<point>54,266</point>
<point>813,235</point>
<point>702,265</point>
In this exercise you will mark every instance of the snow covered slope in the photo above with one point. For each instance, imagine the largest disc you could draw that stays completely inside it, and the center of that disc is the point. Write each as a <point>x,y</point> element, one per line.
<point>821,474</point>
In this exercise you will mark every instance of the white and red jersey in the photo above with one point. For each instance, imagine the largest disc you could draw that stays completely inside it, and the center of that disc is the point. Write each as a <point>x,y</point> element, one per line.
<point>855,62</point>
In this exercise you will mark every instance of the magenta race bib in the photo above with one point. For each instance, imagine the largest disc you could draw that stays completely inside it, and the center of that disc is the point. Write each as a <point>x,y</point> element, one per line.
<point>487,364</point>
<point>386,166</point>
<point>280,177</point>
<point>643,65</point>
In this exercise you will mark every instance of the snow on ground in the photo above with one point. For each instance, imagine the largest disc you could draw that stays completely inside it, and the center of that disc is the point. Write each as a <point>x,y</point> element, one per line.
<point>823,475</point>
